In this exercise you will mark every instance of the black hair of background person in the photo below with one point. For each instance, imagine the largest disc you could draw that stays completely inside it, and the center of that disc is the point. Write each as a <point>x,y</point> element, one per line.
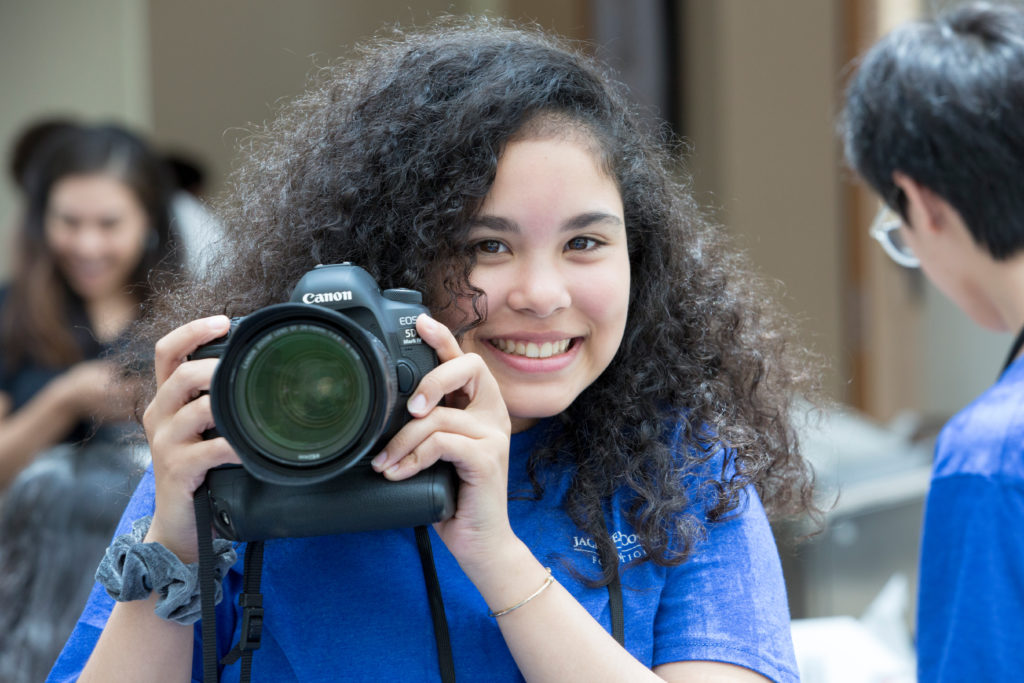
<point>28,142</point>
<point>40,304</point>
<point>188,174</point>
<point>385,161</point>
<point>942,103</point>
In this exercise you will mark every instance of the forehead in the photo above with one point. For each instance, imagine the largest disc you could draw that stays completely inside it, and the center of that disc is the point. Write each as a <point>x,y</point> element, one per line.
<point>552,173</point>
<point>91,191</point>
<point>557,126</point>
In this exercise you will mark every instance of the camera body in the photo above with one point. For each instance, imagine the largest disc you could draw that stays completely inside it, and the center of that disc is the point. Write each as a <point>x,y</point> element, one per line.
<point>307,392</point>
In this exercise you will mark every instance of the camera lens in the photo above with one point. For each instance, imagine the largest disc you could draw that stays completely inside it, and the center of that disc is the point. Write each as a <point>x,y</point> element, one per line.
<point>302,393</point>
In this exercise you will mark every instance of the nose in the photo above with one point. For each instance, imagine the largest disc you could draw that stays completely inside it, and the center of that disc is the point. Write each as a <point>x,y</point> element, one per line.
<point>540,289</point>
<point>86,242</point>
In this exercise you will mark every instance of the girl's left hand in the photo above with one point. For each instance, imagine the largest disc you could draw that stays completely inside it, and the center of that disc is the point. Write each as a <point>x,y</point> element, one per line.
<point>472,432</point>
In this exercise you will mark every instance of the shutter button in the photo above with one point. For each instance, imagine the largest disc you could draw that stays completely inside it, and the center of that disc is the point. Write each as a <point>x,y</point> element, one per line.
<point>406,377</point>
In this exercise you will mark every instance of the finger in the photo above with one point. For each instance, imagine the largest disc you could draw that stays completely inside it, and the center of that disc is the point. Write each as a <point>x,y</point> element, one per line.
<point>415,432</point>
<point>173,348</point>
<point>467,373</point>
<point>188,424</point>
<point>190,464</point>
<point>454,448</point>
<point>439,337</point>
<point>185,384</point>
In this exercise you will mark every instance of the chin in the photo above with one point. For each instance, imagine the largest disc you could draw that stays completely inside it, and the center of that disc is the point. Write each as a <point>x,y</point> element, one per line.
<point>533,410</point>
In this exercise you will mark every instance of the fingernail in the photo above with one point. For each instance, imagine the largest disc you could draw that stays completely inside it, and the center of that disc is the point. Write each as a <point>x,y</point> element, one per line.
<point>392,469</point>
<point>417,404</point>
<point>428,321</point>
<point>217,322</point>
<point>379,460</point>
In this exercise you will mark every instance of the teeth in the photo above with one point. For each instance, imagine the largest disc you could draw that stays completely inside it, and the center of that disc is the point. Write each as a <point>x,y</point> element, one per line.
<point>531,349</point>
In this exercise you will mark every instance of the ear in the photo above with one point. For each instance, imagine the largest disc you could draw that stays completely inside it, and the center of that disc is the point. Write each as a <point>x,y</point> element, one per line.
<point>926,210</point>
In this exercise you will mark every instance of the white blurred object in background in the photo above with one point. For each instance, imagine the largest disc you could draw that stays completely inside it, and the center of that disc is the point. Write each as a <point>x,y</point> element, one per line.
<point>873,649</point>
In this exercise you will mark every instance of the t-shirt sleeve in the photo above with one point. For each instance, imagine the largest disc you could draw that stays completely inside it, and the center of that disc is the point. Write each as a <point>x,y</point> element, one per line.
<point>90,624</point>
<point>972,580</point>
<point>727,602</point>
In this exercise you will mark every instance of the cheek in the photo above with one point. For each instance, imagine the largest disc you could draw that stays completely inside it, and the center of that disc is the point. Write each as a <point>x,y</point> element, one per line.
<point>605,301</point>
<point>57,240</point>
<point>130,244</point>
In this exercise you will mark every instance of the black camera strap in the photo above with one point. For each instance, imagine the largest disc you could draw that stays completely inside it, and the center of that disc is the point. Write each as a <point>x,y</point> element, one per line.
<point>251,602</point>
<point>617,612</point>
<point>250,599</point>
<point>444,643</point>
<point>1014,350</point>
<point>207,587</point>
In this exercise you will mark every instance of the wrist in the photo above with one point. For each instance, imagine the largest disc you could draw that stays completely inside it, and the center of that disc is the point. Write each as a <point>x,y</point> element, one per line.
<point>507,576</point>
<point>63,395</point>
<point>133,569</point>
<point>186,550</point>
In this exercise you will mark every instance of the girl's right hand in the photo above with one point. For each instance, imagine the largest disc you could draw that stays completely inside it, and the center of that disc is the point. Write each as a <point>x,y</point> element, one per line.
<point>174,422</point>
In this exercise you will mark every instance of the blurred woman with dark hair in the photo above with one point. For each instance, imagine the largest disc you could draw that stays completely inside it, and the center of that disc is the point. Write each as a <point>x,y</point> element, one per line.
<point>96,230</point>
<point>94,234</point>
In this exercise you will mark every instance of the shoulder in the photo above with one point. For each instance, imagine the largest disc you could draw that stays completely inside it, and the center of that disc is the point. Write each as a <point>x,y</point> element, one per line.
<point>987,437</point>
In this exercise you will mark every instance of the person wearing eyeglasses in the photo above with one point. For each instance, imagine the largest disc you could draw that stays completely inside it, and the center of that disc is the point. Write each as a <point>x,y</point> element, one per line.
<point>934,123</point>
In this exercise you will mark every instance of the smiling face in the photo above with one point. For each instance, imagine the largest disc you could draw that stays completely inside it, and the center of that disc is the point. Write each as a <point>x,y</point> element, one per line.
<point>551,257</point>
<point>97,229</point>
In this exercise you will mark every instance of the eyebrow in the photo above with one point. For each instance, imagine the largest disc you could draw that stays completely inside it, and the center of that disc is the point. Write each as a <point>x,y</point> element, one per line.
<point>583,220</point>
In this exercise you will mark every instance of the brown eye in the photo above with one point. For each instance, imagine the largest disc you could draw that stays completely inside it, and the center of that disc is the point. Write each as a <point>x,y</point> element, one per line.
<point>490,247</point>
<point>581,244</point>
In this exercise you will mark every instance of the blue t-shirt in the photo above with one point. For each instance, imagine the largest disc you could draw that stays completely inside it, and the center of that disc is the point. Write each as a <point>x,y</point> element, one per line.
<point>354,606</point>
<point>970,617</point>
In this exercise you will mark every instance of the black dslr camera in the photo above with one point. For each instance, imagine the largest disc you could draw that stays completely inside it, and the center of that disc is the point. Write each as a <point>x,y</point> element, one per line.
<point>307,393</point>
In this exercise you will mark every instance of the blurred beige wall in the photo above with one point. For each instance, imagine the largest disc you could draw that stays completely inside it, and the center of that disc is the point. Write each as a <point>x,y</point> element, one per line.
<point>760,114</point>
<point>219,67</point>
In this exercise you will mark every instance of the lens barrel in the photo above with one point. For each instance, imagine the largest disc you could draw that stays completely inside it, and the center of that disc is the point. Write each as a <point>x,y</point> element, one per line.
<point>302,392</point>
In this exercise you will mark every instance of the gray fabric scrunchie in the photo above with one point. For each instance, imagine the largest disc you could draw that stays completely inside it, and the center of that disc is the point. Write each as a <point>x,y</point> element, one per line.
<point>131,570</point>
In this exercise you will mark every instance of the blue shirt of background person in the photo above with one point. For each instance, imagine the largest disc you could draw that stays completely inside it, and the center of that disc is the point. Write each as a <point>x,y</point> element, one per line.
<point>934,122</point>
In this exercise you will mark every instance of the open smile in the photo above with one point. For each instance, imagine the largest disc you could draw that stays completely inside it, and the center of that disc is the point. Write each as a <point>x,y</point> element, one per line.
<point>529,349</point>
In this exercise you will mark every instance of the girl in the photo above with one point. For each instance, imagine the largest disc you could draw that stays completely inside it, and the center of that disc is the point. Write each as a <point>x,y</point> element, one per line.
<point>616,398</point>
<point>97,223</point>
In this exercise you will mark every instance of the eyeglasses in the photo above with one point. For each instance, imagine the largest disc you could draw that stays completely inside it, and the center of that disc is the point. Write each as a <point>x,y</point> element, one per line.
<point>886,229</point>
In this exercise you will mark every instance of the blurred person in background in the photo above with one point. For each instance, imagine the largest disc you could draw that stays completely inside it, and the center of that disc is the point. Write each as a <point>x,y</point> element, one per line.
<point>934,123</point>
<point>96,226</point>
<point>94,239</point>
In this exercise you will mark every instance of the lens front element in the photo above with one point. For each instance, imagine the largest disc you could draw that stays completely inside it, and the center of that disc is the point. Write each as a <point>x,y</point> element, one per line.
<point>302,394</point>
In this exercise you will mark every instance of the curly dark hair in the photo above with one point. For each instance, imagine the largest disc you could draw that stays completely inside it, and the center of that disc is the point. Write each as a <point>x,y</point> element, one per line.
<point>384,162</point>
